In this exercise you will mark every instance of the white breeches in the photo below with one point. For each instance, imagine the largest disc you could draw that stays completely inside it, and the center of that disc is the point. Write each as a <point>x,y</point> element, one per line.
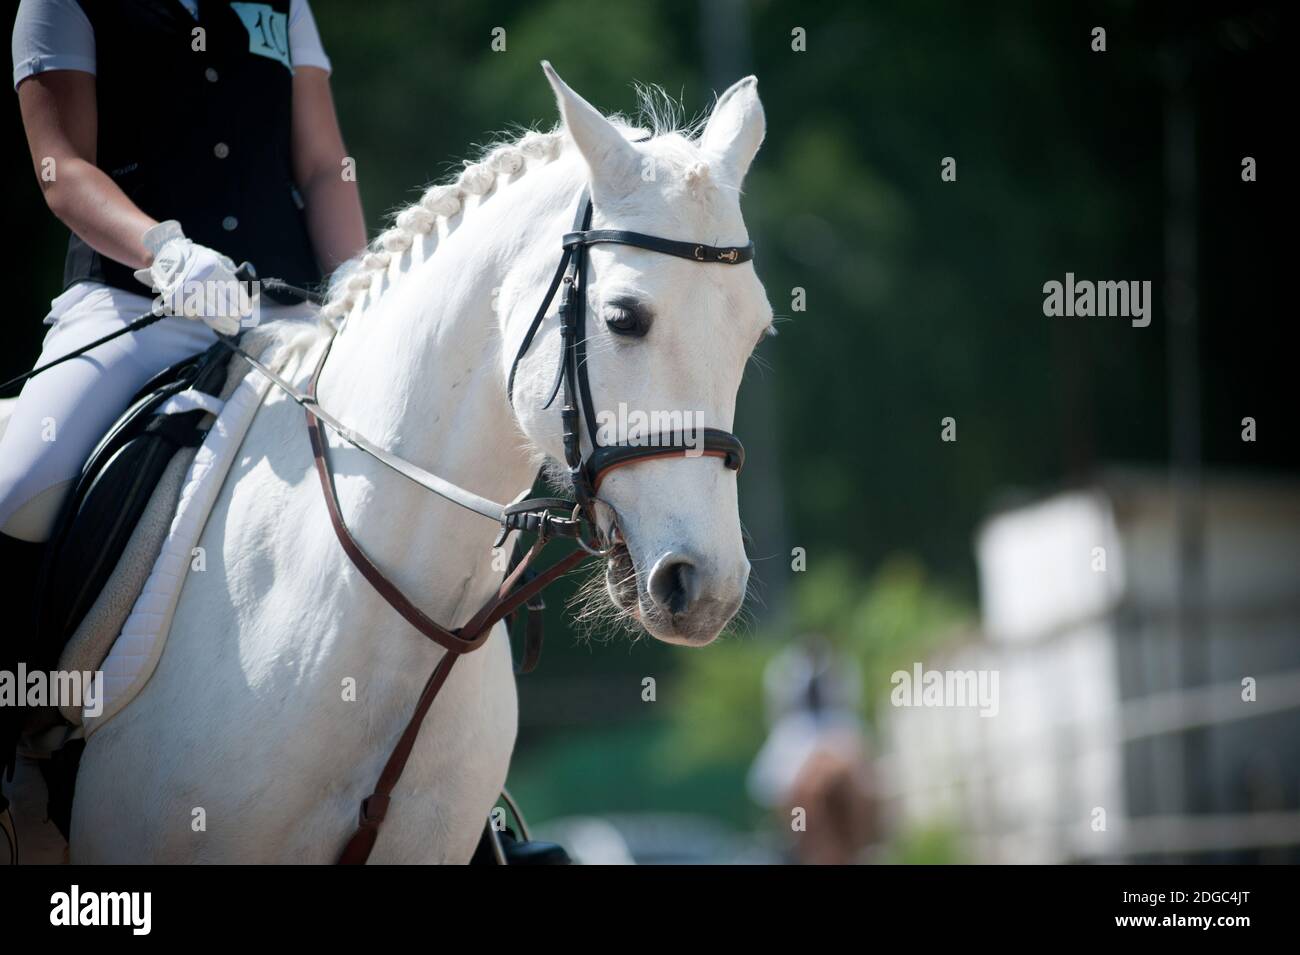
<point>62,413</point>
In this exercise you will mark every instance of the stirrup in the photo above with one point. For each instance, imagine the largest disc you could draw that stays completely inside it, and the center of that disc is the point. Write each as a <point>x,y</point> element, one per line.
<point>508,849</point>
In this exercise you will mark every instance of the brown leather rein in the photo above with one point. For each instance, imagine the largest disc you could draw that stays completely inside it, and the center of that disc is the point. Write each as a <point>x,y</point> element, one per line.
<point>513,593</point>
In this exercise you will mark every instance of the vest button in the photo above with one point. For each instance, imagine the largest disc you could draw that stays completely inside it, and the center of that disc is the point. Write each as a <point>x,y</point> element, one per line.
<point>221,150</point>
<point>211,74</point>
<point>229,223</point>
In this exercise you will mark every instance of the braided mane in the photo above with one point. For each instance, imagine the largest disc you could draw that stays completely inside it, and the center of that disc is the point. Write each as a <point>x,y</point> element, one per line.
<point>359,281</point>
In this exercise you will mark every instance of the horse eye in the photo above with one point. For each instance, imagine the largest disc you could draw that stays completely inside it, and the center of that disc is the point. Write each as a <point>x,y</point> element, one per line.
<point>626,320</point>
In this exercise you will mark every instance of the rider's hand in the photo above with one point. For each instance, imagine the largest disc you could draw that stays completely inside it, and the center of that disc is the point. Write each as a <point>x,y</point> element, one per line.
<point>178,263</point>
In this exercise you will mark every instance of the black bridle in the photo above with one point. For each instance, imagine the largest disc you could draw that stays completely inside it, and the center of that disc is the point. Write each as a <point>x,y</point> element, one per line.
<point>586,474</point>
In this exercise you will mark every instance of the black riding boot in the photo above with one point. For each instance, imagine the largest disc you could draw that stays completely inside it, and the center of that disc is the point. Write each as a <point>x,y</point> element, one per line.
<point>20,568</point>
<point>514,851</point>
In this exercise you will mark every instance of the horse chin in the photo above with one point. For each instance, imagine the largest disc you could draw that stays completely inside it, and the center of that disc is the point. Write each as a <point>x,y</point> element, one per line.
<point>696,633</point>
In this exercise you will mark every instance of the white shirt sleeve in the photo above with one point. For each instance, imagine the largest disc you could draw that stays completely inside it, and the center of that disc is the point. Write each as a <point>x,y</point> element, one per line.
<point>52,35</point>
<point>305,47</point>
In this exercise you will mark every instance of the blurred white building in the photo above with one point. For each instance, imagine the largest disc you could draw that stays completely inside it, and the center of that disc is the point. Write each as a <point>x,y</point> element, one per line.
<point>1129,635</point>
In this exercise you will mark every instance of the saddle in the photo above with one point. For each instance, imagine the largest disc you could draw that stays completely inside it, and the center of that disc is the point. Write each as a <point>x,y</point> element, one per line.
<point>171,413</point>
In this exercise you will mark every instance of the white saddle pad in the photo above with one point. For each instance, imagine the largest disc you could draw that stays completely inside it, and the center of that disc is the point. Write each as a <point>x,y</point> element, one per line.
<point>137,649</point>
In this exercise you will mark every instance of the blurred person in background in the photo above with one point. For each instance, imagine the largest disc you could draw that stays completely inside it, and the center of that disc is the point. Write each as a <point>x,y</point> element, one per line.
<point>814,770</point>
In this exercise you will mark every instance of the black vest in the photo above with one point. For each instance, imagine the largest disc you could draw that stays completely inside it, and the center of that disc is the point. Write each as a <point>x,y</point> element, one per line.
<point>200,136</point>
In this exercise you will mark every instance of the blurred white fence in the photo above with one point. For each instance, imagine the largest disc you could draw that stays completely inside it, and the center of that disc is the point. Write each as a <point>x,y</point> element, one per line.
<point>1125,727</point>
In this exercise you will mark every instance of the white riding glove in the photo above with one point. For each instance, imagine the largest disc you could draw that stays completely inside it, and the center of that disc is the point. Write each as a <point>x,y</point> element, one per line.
<point>183,272</point>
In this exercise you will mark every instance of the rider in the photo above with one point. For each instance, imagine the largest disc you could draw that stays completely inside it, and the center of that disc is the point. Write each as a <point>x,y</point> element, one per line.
<point>173,138</point>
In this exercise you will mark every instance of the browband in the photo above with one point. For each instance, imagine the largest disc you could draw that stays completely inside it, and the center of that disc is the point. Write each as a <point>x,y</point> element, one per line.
<point>695,251</point>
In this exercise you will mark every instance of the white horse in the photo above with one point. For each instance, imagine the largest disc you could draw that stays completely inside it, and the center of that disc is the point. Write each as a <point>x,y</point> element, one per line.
<point>245,716</point>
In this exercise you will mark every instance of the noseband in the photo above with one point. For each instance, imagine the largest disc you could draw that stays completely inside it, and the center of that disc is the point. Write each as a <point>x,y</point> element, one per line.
<point>586,474</point>
<point>547,517</point>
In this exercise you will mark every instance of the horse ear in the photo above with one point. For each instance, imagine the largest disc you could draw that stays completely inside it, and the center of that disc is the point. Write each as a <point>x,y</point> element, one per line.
<point>613,161</point>
<point>735,129</point>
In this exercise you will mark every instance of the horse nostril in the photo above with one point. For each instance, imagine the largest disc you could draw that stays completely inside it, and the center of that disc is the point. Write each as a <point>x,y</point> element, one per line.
<point>674,584</point>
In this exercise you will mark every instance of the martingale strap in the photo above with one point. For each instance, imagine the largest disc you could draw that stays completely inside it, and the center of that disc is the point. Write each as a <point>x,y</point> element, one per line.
<point>521,587</point>
<point>511,594</point>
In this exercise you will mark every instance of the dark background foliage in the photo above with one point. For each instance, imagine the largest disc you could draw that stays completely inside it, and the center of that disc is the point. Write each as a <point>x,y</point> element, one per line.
<point>924,298</point>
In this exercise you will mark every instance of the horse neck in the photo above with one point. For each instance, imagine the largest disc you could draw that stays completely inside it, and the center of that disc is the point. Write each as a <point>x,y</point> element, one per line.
<point>420,372</point>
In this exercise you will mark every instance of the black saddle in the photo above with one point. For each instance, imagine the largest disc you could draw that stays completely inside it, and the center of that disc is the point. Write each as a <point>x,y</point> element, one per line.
<point>115,485</point>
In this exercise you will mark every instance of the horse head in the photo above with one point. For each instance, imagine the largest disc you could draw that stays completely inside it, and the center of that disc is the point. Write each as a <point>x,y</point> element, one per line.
<point>665,343</point>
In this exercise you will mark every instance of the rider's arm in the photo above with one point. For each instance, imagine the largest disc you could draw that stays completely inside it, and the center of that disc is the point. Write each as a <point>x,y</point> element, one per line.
<point>59,113</point>
<point>334,219</point>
